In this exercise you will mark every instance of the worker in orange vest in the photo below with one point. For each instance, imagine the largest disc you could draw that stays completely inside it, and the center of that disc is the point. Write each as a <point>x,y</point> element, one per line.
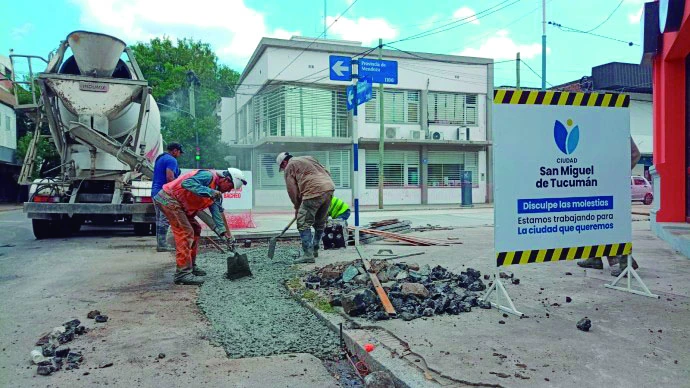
<point>181,200</point>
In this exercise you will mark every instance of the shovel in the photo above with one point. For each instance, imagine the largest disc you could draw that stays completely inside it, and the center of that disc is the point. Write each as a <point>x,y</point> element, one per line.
<point>238,265</point>
<point>274,240</point>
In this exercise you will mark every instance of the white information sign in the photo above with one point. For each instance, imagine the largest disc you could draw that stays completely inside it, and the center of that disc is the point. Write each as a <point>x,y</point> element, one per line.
<point>562,179</point>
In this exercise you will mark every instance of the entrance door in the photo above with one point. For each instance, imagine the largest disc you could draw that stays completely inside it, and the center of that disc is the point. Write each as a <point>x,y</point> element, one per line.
<point>687,139</point>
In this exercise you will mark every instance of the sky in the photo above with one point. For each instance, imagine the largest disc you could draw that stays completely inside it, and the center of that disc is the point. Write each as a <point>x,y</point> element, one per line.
<point>487,28</point>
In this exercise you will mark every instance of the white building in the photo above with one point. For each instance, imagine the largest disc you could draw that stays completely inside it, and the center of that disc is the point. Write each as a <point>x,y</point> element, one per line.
<point>9,166</point>
<point>437,123</point>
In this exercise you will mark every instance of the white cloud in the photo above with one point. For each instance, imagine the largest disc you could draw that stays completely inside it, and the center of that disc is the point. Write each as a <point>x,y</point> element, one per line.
<point>501,46</point>
<point>230,26</point>
<point>363,30</point>
<point>466,13</point>
<point>634,18</point>
<point>18,33</point>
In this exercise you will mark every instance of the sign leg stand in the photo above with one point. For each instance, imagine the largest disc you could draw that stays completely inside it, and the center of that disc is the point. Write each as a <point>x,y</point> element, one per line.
<point>627,272</point>
<point>500,290</point>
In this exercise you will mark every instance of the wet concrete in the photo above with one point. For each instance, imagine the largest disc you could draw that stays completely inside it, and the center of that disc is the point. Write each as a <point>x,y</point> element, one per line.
<point>256,316</point>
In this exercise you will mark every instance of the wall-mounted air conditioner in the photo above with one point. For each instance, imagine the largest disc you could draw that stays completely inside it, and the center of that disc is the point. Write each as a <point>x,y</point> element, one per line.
<point>391,132</point>
<point>415,134</point>
<point>436,135</point>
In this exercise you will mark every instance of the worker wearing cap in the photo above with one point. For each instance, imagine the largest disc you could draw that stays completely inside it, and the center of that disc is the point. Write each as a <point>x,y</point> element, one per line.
<point>310,188</point>
<point>339,210</point>
<point>165,170</point>
<point>181,200</point>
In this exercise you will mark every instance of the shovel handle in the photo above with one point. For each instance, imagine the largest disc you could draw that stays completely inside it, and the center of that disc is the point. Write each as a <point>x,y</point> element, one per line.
<point>288,226</point>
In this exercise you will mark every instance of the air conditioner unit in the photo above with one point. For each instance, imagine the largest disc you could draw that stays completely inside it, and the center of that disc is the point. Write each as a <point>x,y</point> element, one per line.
<point>436,135</point>
<point>415,134</point>
<point>391,132</point>
<point>464,134</point>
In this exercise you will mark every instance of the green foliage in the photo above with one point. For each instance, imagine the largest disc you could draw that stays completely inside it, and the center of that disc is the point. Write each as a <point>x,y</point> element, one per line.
<point>312,297</point>
<point>46,151</point>
<point>165,64</point>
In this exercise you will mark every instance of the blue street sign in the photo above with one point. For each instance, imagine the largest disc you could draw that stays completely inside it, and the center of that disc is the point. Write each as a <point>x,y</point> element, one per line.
<point>363,94</point>
<point>380,71</point>
<point>340,68</point>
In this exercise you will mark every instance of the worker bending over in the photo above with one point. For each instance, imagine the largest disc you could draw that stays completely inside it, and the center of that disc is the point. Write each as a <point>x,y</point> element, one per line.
<point>181,200</point>
<point>310,188</point>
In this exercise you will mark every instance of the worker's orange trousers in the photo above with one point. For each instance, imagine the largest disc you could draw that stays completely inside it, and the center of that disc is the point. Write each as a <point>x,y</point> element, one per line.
<point>186,231</point>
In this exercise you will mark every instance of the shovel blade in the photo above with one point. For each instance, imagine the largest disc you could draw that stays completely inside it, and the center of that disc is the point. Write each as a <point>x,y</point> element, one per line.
<point>272,247</point>
<point>238,266</point>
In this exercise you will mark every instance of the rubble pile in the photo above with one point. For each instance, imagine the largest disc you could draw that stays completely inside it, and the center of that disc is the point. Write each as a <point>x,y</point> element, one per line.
<point>414,291</point>
<point>52,352</point>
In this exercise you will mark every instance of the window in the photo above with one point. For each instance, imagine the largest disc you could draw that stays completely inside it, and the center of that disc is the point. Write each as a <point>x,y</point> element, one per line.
<point>453,109</point>
<point>301,111</point>
<point>400,168</point>
<point>446,167</point>
<point>8,125</point>
<point>337,162</point>
<point>639,182</point>
<point>400,107</point>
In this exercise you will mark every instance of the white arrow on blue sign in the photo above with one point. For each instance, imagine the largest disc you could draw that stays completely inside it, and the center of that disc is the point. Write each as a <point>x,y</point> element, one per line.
<point>340,68</point>
<point>364,93</point>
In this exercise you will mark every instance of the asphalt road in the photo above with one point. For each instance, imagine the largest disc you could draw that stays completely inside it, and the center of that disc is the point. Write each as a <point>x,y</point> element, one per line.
<point>45,283</point>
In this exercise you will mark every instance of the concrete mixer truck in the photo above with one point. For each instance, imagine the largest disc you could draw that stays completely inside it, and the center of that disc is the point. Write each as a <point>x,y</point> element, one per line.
<point>105,126</point>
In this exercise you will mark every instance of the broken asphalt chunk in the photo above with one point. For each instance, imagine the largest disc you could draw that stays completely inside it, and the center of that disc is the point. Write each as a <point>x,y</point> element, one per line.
<point>101,318</point>
<point>92,314</point>
<point>584,324</point>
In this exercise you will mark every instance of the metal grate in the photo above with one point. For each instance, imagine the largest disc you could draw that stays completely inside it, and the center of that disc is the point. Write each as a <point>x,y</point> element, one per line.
<point>400,168</point>
<point>337,162</point>
<point>452,108</point>
<point>301,112</point>
<point>400,107</point>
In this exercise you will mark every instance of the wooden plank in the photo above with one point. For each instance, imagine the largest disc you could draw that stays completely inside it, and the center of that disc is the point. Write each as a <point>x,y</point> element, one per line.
<point>415,240</point>
<point>390,310</point>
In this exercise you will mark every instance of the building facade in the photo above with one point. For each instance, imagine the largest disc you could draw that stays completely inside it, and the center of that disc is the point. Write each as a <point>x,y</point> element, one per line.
<point>436,123</point>
<point>9,166</point>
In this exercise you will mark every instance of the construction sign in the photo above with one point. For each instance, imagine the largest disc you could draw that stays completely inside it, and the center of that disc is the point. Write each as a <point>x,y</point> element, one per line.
<point>562,176</point>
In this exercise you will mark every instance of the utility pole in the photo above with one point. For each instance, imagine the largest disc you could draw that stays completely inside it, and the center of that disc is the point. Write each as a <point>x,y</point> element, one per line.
<point>517,71</point>
<point>324,19</point>
<point>543,44</point>
<point>193,80</point>
<point>381,131</point>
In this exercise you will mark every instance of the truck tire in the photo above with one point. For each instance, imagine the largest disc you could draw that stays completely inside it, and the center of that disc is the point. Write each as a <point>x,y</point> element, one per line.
<point>44,229</point>
<point>142,229</point>
<point>648,199</point>
<point>75,224</point>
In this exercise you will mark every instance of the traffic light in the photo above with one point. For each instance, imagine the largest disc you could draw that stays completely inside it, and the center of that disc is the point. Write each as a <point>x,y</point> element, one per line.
<point>197,157</point>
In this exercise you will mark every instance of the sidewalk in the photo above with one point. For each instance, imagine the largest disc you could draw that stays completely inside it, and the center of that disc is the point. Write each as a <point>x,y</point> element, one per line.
<point>8,207</point>
<point>629,332</point>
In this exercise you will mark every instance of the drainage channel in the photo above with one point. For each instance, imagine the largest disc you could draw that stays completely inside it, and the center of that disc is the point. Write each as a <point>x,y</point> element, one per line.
<point>257,316</point>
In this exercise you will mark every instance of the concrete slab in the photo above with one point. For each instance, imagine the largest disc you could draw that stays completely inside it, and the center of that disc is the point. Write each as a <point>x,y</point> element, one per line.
<point>634,340</point>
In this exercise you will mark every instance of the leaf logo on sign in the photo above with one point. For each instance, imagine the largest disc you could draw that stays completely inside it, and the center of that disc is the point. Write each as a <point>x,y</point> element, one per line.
<point>566,140</point>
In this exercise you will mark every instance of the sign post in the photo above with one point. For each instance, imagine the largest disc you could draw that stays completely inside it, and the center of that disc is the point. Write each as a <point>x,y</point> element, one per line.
<point>562,180</point>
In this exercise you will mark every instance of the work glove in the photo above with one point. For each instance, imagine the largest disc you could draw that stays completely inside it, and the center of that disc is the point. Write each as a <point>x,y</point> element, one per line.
<point>217,195</point>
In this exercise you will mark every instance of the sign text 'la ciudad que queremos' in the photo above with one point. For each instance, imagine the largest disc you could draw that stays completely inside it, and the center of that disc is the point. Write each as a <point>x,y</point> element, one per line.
<point>562,176</point>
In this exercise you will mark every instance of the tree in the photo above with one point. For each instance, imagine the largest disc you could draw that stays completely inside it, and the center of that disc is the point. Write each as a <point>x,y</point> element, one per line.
<point>165,65</point>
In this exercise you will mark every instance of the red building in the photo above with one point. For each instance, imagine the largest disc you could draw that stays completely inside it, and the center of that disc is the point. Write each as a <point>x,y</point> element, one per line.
<point>667,47</point>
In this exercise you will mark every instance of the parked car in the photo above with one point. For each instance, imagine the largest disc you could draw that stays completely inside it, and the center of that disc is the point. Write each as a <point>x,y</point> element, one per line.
<point>641,190</point>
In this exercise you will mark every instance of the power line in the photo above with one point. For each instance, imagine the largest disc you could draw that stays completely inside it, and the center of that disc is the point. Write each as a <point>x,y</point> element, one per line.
<point>441,60</point>
<point>607,18</point>
<point>452,25</point>
<point>570,29</point>
<point>317,38</point>
<point>535,73</point>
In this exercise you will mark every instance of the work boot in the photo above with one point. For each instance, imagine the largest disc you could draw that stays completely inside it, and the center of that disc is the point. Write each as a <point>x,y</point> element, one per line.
<point>161,243</point>
<point>592,262</point>
<point>307,258</point>
<point>622,265</point>
<point>316,243</point>
<point>196,271</point>
<point>188,278</point>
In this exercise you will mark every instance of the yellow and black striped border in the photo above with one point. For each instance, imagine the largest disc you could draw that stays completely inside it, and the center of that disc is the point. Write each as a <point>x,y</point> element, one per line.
<point>557,254</point>
<point>536,97</point>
